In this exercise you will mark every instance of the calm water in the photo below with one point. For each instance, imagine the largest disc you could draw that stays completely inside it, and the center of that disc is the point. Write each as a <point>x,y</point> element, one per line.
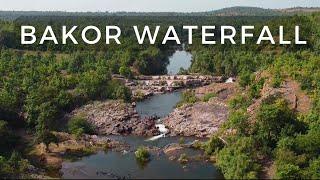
<point>124,165</point>
<point>160,105</point>
<point>177,60</point>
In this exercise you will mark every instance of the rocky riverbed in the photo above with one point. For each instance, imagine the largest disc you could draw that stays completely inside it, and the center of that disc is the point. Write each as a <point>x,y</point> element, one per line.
<point>116,118</point>
<point>202,119</point>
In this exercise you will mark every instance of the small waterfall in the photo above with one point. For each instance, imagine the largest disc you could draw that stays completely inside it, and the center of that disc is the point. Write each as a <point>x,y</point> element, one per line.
<point>162,129</point>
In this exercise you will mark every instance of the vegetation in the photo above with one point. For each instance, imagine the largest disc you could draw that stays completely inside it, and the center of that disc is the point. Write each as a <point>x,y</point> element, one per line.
<point>208,96</point>
<point>142,155</point>
<point>79,126</point>
<point>188,97</point>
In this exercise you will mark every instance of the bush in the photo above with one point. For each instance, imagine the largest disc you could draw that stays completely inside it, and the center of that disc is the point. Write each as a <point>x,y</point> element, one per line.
<point>276,80</point>
<point>237,160</point>
<point>188,97</point>
<point>13,167</point>
<point>116,90</point>
<point>142,155</point>
<point>288,171</point>
<point>255,88</point>
<point>313,171</point>
<point>46,137</point>
<point>183,159</point>
<point>79,126</point>
<point>213,145</point>
<point>245,78</point>
<point>125,71</point>
<point>239,102</point>
<point>275,120</point>
<point>208,96</point>
<point>239,120</point>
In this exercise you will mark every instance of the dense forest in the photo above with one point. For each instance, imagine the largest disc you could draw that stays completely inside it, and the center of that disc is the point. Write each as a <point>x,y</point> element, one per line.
<point>39,84</point>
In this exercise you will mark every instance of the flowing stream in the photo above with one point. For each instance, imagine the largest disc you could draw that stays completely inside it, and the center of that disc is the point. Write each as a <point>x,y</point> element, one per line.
<point>124,165</point>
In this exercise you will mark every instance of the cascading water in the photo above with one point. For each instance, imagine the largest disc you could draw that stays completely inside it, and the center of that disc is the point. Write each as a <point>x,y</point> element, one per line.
<point>162,129</point>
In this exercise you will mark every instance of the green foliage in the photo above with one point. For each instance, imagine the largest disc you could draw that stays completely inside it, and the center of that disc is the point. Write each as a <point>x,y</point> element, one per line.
<point>236,161</point>
<point>79,126</point>
<point>288,171</point>
<point>245,78</point>
<point>276,80</point>
<point>13,167</point>
<point>188,97</point>
<point>183,159</point>
<point>46,137</point>
<point>142,155</point>
<point>116,90</point>
<point>238,120</point>
<point>313,171</point>
<point>213,145</point>
<point>255,88</point>
<point>239,102</point>
<point>275,120</point>
<point>125,71</point>
<point>76,154</point>
<point>208,96</point>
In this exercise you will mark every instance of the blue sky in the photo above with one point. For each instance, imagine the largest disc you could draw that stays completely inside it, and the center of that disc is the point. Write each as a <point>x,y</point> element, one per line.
<point>147,5</point>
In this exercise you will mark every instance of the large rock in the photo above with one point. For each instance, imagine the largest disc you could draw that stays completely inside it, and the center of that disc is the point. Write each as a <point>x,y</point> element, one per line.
<point>200,119</point>
<point>116,117</point>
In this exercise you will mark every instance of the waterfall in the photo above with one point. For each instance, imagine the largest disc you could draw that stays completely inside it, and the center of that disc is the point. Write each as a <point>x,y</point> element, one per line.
<point>162,129</point>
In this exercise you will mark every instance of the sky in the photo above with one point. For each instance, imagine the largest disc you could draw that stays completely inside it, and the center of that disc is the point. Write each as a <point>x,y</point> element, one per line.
<point>147,5</point>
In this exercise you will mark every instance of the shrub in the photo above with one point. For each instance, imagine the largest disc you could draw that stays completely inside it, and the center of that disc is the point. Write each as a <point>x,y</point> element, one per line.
<point>188,97</point>
<point>181,140</point>
<point>116,90</point>
<point>239,102</point>
<point>183,159</point>
<point>313,171</point>
<point>237,160</point>
<point>288,171</point>
<point>208,96</point>
<point>274,120</point>
<point>245,78</point>
<point>142,155</point>
<point>255,88</point>
<point>276,80</point>
<point>125,71</point>
<point>238,120</point>
<point>46,137</point>
<point>79,126</point>
<point>13,167</point>
<point>213,145</point>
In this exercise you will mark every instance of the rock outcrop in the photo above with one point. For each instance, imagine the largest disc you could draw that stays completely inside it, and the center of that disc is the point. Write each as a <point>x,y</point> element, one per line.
<point>202,119</point>
<point>116,117</point>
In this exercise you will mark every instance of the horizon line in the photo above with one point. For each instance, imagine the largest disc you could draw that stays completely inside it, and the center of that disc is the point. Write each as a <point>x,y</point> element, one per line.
<point>99,11</point>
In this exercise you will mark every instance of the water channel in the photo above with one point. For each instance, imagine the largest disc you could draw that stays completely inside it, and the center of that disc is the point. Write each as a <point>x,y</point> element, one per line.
<point>124,165</point>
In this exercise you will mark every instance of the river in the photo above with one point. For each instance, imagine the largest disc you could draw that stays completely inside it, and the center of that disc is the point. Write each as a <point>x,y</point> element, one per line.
<point>124,165</point>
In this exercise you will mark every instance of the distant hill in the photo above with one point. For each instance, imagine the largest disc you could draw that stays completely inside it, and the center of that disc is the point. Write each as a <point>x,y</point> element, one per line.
<point>232,11</point>
<point>299,10</point>
<point>245,11</point>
